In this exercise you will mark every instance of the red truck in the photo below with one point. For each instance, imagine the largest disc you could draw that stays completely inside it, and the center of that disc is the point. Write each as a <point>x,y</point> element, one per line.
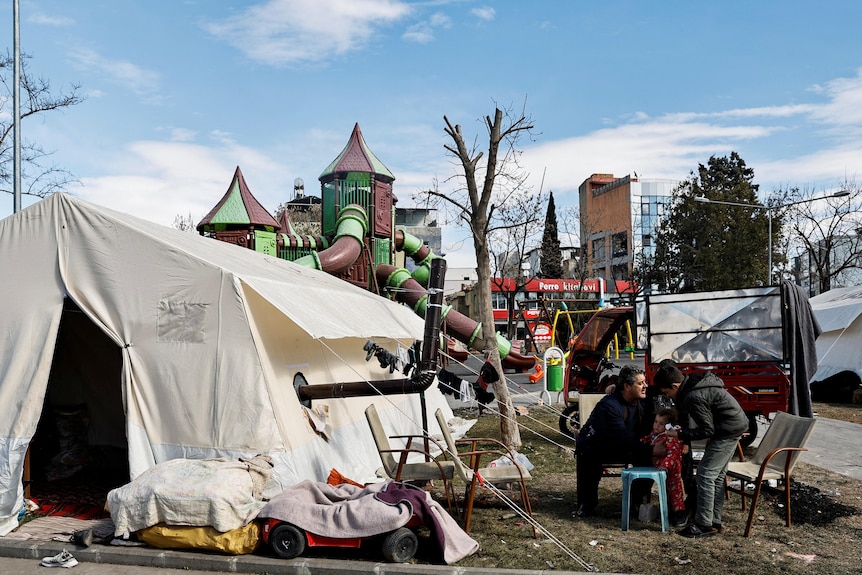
<point>739,335</point>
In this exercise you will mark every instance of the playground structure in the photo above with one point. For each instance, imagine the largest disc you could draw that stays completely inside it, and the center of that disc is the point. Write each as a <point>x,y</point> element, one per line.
<point>358,241</point>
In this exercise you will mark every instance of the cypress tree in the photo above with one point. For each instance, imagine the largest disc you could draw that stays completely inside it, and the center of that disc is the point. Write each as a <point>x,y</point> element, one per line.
<point>552,258</point>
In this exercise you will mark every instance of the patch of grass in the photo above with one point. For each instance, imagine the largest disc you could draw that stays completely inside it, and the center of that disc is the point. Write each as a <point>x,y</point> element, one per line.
<point>506,540</point>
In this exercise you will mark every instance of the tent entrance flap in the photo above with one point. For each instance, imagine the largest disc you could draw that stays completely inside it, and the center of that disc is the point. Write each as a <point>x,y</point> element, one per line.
<point>80,439</point>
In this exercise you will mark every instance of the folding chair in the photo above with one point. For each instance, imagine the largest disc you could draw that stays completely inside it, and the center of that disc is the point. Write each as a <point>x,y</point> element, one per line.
<point>483,475</point>
<point>400,469</point>
<point>774,459</point>
<point>586,404</point>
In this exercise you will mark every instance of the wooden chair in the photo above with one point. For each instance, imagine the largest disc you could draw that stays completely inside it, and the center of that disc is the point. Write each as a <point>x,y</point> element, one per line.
<point>774,459</point>
<point>476,474</point>
<point>399,469</point>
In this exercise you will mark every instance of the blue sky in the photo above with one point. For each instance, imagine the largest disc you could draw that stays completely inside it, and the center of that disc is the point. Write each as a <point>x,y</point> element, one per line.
<point>179,93</point>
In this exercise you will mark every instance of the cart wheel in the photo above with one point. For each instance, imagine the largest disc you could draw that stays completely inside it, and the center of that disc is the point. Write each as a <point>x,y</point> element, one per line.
<point>288,541</point>
<point>400,546</point>
<point>569,423</point>
<point>747,440</point>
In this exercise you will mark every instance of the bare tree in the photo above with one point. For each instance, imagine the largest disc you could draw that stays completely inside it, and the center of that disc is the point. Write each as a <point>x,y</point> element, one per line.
<point>827,230</point>
<point>569,223</point>
<point>480,188</point>
<point>515,233</point>
<point>39,178</point>
<point>305,218</point>
<point>184,223</point>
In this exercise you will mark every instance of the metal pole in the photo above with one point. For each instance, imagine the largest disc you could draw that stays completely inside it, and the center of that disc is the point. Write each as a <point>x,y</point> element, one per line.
<point>16,113</point>
<point>769,268</point>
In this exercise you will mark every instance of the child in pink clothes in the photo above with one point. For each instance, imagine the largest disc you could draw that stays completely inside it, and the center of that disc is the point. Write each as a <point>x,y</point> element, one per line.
<point>672,461</point>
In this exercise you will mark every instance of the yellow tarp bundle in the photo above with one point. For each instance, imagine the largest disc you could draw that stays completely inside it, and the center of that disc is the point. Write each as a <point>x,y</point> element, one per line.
<point>235,542</point>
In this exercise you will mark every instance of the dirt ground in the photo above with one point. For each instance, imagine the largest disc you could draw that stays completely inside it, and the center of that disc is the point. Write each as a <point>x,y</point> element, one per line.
<point>826,512</point>
<point>850,412</point>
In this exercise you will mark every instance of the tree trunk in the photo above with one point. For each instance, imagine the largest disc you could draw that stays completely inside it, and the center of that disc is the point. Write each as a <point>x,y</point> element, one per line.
<point>478,214</point>
<point>825,280</point>
<point>509,433</point>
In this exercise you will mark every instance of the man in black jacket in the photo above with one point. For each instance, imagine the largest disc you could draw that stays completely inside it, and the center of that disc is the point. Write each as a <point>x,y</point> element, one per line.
<point>612,435</point>
<point>709,412</point>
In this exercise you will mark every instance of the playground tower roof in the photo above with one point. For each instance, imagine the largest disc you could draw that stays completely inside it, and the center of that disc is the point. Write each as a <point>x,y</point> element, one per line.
<point>238,207</point>
<point>356,157</point>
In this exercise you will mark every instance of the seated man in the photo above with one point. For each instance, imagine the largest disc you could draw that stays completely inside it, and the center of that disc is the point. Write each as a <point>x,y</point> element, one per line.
<point>612,435</point>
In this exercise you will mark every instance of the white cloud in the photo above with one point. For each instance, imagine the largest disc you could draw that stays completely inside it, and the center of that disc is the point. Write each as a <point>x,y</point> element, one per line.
<point>440,20</point>
<point>761,112</point>
<point>159,180</point>
<point>143,82</point>
<point>484,13</point>
<point>182,135</point>
<point>663,148</point>
<point>672,145</point>
<point>281,32</point>
<point>419,33</point>
<point>845,103</point>
<point>423,32</point>
<point>823,168</point>
<point>45,20</point>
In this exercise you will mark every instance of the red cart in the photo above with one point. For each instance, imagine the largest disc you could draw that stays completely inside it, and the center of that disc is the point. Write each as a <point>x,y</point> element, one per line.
<point>288,541</point>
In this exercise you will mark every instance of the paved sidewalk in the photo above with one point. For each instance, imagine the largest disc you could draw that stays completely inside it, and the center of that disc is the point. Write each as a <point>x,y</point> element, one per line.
<point>142,560</point>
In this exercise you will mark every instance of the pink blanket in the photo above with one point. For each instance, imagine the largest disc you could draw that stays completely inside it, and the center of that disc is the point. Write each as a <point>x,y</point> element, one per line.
<point>349,511</point>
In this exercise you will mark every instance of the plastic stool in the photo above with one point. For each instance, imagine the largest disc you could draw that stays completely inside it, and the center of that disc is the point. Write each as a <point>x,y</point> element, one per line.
<point>632,473</point>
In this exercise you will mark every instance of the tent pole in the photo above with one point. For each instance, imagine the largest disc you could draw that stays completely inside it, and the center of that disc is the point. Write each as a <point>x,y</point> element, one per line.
<point>431,344</point>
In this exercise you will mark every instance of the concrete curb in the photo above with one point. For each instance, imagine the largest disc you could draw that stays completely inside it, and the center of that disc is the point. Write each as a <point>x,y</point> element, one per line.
<point>206,561</point>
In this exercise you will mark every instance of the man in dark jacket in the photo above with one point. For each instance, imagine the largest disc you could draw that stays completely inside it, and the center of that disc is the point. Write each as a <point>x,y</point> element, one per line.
<point>612,435</point>
<point>709,412</point>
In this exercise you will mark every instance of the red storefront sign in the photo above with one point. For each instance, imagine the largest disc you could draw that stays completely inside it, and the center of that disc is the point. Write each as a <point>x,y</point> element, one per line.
<point>548,285</point>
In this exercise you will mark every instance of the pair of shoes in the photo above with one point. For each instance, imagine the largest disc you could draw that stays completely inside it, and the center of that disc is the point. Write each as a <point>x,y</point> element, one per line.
<point>83,537</point>
<point>679,518</point>
<point>582,512</point>
<point>61,559</point>
<point>718,527</point>
<point>695,530</point>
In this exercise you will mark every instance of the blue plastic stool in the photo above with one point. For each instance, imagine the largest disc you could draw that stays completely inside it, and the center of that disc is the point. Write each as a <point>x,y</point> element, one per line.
<point>632,473</point>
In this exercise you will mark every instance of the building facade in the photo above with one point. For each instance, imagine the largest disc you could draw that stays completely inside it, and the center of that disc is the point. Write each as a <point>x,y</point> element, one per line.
<point>619,220</point>
<point>422,223</point>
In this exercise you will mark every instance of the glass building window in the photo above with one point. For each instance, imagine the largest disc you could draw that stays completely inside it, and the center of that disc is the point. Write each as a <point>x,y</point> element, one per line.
<point>620,244</point>
<point>498,301</point>
<point>599,249</point>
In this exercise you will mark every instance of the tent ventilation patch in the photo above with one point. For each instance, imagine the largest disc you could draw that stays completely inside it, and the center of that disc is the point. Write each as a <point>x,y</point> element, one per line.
<point>181,321</point>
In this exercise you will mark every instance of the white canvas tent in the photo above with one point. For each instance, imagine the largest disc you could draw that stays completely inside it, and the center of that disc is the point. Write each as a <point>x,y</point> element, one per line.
<point>184,346</point>
<point>839,313</point>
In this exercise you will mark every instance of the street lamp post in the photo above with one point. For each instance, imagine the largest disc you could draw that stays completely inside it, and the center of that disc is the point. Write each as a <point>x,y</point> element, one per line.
<point>769,210</point>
